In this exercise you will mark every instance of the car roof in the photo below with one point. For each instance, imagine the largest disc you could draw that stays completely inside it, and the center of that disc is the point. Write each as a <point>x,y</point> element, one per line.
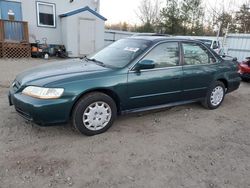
<point>151,34</point>
<point>156,39</point>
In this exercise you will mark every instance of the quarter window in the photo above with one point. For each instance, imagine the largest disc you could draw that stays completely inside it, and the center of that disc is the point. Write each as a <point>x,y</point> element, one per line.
<point>46,14</point>
<point>195,54</point>
<point>164,55</point>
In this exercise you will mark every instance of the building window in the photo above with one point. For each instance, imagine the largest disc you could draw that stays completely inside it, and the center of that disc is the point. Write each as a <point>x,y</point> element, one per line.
<point>46,14</point>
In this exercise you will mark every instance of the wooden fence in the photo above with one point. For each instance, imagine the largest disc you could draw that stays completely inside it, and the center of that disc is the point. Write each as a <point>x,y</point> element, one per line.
<point>14,39</point>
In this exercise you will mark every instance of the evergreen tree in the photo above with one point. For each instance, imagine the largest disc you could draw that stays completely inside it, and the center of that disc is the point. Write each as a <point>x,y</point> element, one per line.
<point>192,14</point>
<point>225,21</point>
<point>170,18</point>
<point>243,19</point>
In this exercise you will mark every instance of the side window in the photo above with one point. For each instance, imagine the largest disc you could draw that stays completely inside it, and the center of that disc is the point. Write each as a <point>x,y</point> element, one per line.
<point>164,55</point>
<point>194,54</point>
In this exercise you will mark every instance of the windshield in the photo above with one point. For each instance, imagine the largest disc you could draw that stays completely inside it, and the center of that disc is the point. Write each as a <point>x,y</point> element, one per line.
<point>208,43</point>
<point>121,53</point>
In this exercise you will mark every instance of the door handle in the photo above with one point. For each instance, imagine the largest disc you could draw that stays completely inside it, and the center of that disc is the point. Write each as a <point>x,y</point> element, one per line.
<point>175,78</point>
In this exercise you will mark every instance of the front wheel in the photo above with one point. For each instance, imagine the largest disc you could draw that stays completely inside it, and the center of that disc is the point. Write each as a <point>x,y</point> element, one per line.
<point>94,114</point>
<point>215,96</point>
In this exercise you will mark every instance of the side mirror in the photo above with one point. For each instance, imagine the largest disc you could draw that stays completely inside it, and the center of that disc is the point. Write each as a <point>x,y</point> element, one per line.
<point>145,64</point>
<point>215,47</point>
<point>235,59</point>
<point>212,60</point>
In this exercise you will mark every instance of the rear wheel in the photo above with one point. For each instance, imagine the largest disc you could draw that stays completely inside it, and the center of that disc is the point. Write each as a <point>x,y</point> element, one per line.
<point>94,113</point>
<point>215,95</point>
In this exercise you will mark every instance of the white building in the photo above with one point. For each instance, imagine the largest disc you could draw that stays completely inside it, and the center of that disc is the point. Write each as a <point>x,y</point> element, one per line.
<point>76,24</point>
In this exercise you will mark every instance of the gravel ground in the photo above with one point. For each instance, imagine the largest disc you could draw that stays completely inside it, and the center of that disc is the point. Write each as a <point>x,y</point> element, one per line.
<point>185,146</point>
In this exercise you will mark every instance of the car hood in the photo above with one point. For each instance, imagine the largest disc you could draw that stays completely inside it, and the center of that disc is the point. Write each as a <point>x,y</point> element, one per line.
<point>58,70</point>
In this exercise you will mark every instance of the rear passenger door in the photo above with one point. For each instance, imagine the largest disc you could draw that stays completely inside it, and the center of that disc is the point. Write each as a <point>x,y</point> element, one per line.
<point>199,67</point>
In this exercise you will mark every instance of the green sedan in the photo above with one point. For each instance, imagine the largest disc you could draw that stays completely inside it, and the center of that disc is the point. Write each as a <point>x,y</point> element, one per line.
<point>131,75</point>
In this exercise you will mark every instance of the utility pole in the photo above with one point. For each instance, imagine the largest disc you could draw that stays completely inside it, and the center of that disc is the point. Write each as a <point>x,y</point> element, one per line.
<point>218,33</point>
<point>224,44</point>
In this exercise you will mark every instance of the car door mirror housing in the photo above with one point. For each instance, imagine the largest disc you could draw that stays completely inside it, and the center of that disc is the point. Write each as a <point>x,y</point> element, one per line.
<point>235,59</point>
<point>213,60</point>
<point>215,47</point>
<point>145,64</point>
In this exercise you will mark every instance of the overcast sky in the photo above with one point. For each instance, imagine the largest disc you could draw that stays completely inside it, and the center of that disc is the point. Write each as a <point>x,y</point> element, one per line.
<point>124,10</point>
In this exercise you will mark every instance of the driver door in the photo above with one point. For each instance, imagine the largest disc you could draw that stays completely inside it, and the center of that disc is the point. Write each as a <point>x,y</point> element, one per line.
<point>159,85</point>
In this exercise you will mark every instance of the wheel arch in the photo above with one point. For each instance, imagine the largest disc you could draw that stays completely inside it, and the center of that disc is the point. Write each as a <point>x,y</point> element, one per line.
<point>224,81</point>
<point>106,91</point>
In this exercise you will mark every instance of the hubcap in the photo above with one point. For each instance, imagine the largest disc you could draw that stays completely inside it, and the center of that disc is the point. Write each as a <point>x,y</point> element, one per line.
<point>96,116</point>
<point>217,96</point>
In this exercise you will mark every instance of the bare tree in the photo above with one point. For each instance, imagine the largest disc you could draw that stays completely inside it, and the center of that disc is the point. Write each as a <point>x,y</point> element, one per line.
<point>149,11</point>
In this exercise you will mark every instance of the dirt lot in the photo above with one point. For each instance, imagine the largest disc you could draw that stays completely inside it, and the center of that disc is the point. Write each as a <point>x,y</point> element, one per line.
<point>186,146</point>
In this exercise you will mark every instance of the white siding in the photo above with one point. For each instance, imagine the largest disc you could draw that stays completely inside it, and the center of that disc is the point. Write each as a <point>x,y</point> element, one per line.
<point>53,35</point>
<point>67,28</point>
<point>70,32</point>
<point>238,45</point>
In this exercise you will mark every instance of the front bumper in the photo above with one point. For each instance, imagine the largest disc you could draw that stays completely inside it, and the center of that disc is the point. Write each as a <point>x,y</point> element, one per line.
<point>40,111</point>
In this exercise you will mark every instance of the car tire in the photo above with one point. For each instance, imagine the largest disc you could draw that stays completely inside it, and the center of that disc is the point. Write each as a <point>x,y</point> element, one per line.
<point>215,96</point>
<point>94,113</point>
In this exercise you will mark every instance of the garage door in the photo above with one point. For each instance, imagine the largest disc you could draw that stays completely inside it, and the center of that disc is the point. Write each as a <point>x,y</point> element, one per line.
<point>87,36</point>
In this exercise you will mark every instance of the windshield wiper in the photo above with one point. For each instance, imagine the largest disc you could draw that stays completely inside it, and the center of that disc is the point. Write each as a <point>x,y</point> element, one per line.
<point>95,61</point>
<point>98,62</point>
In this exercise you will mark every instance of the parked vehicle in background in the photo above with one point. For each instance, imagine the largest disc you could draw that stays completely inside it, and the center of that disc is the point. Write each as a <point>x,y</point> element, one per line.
<point>213,44</point>
<point>244,69</point>
<point>150,34</point>
<point>131,75</point>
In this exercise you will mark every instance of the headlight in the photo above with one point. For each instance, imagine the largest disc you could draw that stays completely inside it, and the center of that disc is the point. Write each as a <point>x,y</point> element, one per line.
<point>43,93</point>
